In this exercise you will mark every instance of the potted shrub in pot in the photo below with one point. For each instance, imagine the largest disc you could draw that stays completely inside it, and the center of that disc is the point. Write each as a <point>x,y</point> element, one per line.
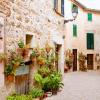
<point>33,56</point>
<point>47,48</point>
<point>9,73</point>
<point>36,93</point>
<point>41,60</point>
<point>17,60</point>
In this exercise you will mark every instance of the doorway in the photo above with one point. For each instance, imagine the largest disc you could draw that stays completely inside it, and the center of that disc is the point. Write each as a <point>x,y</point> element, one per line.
<point>74,59</point>
<point>57,54</point>
<point>90,61</point>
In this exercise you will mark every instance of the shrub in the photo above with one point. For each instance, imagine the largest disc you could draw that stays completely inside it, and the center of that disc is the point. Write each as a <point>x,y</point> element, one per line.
<point>36,92</point>
<point>20,97</point>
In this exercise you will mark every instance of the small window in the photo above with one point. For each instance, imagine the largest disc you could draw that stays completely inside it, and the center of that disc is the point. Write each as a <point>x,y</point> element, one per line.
<point>75,30</point>
<point>90,41</point>
<point>89,16</point>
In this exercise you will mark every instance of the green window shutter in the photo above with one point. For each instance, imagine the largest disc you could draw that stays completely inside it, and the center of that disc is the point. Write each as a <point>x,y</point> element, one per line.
<point>89,16</point>
<point>75,30</point>
<point>90,41</point>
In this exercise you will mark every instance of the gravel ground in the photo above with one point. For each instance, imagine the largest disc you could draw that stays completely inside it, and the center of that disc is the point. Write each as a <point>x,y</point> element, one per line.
<point>80,86</point>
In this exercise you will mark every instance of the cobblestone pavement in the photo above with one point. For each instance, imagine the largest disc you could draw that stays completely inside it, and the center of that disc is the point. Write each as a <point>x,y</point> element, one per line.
<point>80,86</point>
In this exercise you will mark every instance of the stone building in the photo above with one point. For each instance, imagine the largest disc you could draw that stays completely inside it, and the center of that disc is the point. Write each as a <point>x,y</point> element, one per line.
<point>33,21</point>
<point>82,34</point>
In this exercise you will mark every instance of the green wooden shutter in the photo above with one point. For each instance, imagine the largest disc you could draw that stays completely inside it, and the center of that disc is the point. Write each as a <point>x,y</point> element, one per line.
<point>90,41</point>
<point>74,30</point>
<point>89,16</point>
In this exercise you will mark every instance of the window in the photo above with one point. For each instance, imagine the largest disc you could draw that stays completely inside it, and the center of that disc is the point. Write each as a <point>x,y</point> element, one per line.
<point>75,30</point>
<point>90,41</point>
<point>62,7</point>
<point>59,6</point>
<point>89,16</point>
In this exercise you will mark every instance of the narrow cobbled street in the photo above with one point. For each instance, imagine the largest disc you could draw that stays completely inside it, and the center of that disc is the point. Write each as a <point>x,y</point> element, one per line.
<point>80,86</point>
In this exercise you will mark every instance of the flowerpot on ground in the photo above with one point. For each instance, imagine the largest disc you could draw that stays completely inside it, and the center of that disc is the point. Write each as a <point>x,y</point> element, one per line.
<point>66,69</point>
<point>1,60</point>
<point>54,92</point>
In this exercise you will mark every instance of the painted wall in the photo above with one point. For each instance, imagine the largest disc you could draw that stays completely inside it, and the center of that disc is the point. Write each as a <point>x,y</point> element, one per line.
<point>83,27</point>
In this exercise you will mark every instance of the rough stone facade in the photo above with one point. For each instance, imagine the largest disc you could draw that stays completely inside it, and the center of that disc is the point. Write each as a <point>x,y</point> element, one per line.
<point>32,17</point>
<point>37,18</point>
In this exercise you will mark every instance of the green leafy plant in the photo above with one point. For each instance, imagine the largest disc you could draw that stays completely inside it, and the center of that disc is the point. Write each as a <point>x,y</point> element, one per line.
<point>41,60</point>
<point>21,44</point>
<point>82,61</point>
<point>19,97</point>
<point>36,92</point>
<point>8,70</point>
<point>17,61</point>
<point>69,59</point>
<point>44,71</point>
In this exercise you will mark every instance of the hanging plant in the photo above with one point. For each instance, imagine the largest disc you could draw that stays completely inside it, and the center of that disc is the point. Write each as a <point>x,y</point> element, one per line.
<point>33,56</point>
<point>48,48</point>
<point>9,73</point>
<point>41,60</point>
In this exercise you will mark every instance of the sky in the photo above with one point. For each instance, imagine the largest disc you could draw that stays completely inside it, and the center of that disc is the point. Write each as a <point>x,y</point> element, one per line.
<point>93,4</point>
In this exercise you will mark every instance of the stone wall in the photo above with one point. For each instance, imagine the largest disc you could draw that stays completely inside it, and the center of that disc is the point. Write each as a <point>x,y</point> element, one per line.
<point>33,17</point>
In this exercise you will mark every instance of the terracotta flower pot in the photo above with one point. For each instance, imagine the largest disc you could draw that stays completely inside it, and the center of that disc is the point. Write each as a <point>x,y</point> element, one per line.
<point>25,53</point>
<point>10,78</point>
<point>33,59</point>
<point>48,49</point>
<point>41,62</point>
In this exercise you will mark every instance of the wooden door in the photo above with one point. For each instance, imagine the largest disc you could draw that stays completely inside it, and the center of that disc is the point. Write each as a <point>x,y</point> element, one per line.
<point>75,60</point>
<point>90,61</point>
<point>22,84</point>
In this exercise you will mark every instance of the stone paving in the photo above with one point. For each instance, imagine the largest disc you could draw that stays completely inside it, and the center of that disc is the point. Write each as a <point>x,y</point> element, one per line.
<point>80,86</point>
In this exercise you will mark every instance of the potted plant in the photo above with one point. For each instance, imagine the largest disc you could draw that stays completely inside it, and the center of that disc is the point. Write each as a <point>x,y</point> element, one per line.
<point>44,71</point>
<point>9,73</point>
<point>33,56</point>
<point>41,60</point>
<point>68,60</point>
<point>55,82</point>
<point>17,60</point>
<point>48,48</point>
<point>82,61</point>
<point>36,93</point>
